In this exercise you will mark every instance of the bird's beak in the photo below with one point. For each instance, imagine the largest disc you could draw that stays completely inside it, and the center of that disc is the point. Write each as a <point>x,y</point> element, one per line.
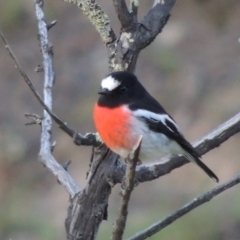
<point>104,91</point>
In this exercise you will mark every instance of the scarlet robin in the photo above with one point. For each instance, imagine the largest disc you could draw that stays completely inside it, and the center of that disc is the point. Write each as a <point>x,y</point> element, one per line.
<point>125,111</point>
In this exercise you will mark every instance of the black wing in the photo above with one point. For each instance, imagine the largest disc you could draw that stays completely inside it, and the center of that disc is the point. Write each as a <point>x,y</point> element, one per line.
<point>165,124</point>
<point>168,128</point>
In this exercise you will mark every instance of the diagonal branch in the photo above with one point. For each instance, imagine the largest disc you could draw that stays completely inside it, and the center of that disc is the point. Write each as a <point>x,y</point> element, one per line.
<point>89,139</point>
<point>119,226</point>
<point>156,227</point>
<point>98,18</point>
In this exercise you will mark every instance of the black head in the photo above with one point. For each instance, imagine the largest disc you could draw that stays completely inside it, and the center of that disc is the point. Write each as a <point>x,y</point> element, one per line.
<point>119,88</point>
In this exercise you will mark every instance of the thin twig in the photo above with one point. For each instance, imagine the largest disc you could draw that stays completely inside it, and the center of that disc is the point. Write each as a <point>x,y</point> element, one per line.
<point>89,139</point>
<point>35,119</point>
<point>20,69</point>
<point>120,223</point>
<point>51,24</point>
<point>156,227</point>
<point>33,89</point>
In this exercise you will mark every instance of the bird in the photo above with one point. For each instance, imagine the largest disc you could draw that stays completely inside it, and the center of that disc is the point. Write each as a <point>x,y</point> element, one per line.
<point>125,111</point>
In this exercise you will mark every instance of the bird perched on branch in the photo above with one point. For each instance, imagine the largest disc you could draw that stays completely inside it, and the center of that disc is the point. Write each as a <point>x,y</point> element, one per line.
<point>125,111</point>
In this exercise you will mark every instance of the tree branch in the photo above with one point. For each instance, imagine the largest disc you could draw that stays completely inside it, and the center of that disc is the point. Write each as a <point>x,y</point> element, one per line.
<point>84,217</point>
<point>119,226</point>
<point>46,146</point>
<point>132,40</point>
<point>89,207</point>
<point>124,16</point>
<point>89,139</point>
<point>133,8</point>
<point>154,21</point>
<point>156,227</point>
<point>98,18</point>
<point>63,177</point>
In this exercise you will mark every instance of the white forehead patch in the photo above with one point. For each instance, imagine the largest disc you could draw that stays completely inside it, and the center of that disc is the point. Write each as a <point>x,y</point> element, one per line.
<point>110,83</point>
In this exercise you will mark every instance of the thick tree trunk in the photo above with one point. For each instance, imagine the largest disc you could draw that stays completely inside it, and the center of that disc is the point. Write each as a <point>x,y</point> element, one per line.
<point>88,209</point>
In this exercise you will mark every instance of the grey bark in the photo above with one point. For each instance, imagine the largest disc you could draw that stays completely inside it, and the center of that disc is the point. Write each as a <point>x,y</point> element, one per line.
<point>89,207</point>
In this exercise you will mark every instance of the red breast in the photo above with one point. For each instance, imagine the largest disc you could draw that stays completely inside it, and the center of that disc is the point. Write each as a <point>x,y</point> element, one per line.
<point>114,126</point>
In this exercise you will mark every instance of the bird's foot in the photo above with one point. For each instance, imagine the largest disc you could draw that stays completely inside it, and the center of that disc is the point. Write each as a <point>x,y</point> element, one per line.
<point>124,185</point>
<point>128,160</point>
<point>139,162</point>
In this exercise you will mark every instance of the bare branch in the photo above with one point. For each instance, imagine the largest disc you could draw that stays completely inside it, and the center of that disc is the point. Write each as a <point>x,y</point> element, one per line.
<point>120,223</point>
<point>156,227</point>
<point>155,20</point>
<point>124,16</point>
<point>35,119</point>
<point>20,69</point>
<point>84,217</point>
<point>46,146</point>
<point>38,68</point>
<point>133,8</point>
<point>132,40</point>
<point>89,139</point>
<point>98,18</point>
<point>51,24</point>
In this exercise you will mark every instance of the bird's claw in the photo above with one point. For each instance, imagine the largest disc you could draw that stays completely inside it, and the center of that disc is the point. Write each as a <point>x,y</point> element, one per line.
<point>128,160</point>
<point>135,183</point>
<point>124,185</point>
<point>139,162</point>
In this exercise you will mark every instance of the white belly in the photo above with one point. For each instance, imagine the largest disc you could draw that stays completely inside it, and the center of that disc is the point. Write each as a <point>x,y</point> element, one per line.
<point>154,145</point>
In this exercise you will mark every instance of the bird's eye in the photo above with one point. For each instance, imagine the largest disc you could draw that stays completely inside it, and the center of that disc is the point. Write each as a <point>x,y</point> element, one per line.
<point>122,89</point>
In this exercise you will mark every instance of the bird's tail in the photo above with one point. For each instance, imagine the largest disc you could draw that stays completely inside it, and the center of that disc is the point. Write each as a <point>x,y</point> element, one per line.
<point>207,170</point>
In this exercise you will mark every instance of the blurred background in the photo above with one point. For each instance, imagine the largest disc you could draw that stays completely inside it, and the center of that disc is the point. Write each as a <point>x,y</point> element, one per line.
<point>192,68</point>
